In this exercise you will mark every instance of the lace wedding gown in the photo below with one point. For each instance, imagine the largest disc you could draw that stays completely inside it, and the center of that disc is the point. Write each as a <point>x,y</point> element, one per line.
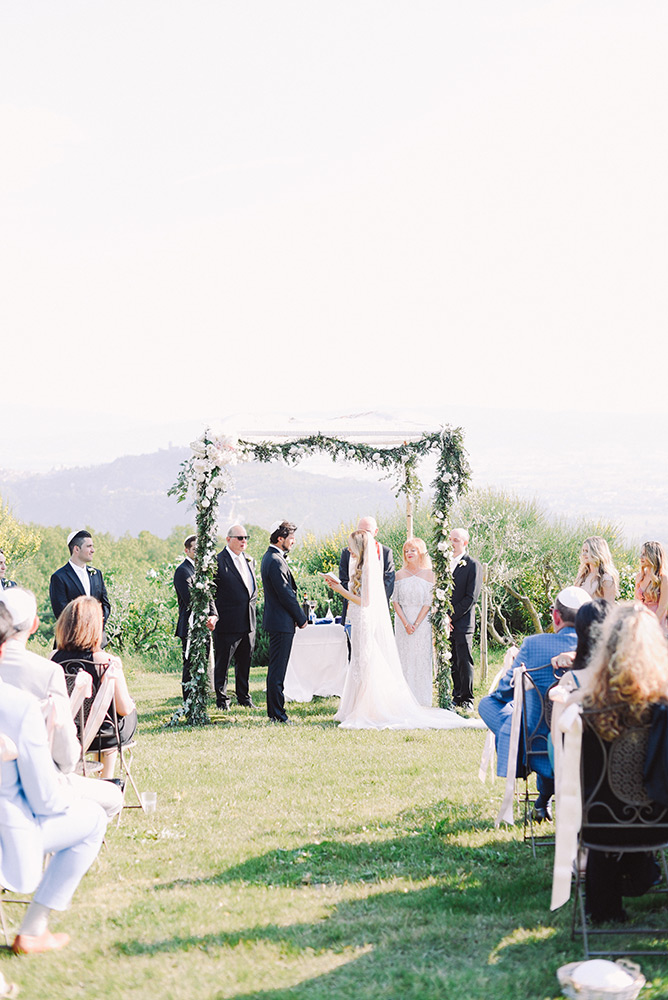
<point>412,593</point>
<point>375,693</point>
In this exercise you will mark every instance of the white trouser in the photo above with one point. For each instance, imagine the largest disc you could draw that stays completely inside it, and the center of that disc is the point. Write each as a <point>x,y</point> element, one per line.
<point>74,838</point>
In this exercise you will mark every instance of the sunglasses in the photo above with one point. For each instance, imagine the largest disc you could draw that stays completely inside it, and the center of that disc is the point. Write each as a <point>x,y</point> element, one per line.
<point>241,538</point>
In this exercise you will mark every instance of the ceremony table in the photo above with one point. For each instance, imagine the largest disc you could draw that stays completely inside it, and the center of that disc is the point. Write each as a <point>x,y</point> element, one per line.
<point>318,662</point>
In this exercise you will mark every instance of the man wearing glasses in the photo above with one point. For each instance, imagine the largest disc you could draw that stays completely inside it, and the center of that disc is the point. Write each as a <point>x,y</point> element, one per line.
<point>234,636</point>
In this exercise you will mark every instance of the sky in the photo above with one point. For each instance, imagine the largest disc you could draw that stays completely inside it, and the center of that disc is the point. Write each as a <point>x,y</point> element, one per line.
<point>215,207</point>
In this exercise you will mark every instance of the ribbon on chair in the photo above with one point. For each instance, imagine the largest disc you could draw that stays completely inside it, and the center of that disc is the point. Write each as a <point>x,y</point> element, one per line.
<point>568,803</point>
<point>488,748</point>
<point>55,716</point>
<point>506,810</point>
<point>83,688</point>
<point>100,705</point>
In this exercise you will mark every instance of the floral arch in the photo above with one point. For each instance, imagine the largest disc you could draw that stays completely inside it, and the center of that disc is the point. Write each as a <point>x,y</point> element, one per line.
<point>206,475</point>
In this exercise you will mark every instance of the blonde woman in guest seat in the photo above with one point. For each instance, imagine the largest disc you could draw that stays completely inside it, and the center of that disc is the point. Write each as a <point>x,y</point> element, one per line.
<point>596,572</point>
<point>411,600</point>
<point>652,580</point>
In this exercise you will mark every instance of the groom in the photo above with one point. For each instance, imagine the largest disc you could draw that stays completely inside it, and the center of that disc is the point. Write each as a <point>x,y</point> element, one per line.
<point>282,614</point>
<point>78,578</point>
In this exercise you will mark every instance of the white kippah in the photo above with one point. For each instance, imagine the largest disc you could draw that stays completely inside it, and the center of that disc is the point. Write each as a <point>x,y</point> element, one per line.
<point>275,526</point>
<point>73,534</point>
<point>21,605</point>
<point>573,597</point>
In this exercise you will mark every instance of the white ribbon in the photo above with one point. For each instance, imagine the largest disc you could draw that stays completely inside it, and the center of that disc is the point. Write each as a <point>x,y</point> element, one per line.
<point>100,705</point>
<point>83,688</point>
<point>506,810</point>
<point>488,748</point>
<point>568,803</point>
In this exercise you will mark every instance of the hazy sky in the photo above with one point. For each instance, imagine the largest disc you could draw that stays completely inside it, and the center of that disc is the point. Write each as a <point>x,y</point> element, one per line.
<point>212,207</point>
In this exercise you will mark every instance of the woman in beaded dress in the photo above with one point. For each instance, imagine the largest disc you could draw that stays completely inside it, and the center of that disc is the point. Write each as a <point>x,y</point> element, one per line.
<point>412,597</point>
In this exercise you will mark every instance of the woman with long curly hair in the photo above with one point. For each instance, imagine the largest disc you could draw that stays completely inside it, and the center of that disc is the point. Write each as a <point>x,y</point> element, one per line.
<point>630,668</point>
<point>596,572</point>
<point>652,580</point>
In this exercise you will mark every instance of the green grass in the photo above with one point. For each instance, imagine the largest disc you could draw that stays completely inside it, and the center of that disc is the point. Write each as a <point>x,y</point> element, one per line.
<point>307,862</point>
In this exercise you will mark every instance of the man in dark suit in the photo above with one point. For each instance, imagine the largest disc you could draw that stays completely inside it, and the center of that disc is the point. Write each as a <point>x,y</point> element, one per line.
<point>4,583</point>
<point>183,581</point>
<point>234,635</point>
<point>467,584</point>
<point>282,614</point>
<point>77,578</point>
<point>368,524</point>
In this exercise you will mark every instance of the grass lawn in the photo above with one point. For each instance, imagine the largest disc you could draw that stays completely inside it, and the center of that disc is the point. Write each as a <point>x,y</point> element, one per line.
<point>307,862</point>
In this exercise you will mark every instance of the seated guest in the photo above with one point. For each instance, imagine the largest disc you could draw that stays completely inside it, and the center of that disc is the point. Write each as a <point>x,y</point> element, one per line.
<point>536,652</point>
<point>5,584</point>
<point>79,637</point>
<point>588,625</point>
<point>596,572</point>
<point>630,667</point>
<point>38,817</point>
<point>652,580</point>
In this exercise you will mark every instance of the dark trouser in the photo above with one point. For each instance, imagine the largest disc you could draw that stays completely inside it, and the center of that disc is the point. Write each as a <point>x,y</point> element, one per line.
<point>229,645</point>
<point>611,876</point>
<point>461,647</point>
<point>185,675</point>
<point>280,644</point>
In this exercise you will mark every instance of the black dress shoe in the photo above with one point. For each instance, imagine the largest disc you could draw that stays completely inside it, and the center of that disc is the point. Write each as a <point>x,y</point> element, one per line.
<point>222,706</point>
<point>541,813</point>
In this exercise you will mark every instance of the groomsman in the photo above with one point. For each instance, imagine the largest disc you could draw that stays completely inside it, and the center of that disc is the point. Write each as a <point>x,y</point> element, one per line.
<point>183,581</point>
<point>234,636</point>
<point>385,553</point>
<point>4,583</point>
<point>467,584</point>
<point>282,614</point>
<point>77,578</point>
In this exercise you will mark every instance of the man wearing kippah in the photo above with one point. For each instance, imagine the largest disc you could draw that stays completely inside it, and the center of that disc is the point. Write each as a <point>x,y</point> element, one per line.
<point>77,578</point>
<point>496,709</point>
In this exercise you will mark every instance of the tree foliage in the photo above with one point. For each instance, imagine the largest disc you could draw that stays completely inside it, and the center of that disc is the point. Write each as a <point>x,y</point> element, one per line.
<point>18,541</point>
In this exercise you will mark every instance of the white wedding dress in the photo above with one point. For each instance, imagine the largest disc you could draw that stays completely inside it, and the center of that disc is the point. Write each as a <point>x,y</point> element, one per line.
<point>375,693</point>
<point>412,593</point>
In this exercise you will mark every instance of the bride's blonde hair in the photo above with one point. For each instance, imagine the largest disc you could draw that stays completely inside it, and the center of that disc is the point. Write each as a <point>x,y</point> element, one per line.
<point>357,545</point>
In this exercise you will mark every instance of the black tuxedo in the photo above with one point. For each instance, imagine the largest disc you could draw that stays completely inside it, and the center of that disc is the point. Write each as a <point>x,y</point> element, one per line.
<point>65,586</point>
<point>234,635</point>
<point>388,573</point>
<point>183,581</point>
<point>282,613</point>
<point>467,584</point>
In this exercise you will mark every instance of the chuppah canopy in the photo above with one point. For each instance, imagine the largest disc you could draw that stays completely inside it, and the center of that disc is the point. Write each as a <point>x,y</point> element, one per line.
<point>206,475</point>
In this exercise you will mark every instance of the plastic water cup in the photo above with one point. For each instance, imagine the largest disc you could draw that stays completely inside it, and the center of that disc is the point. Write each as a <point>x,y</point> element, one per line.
<point>149,800</point>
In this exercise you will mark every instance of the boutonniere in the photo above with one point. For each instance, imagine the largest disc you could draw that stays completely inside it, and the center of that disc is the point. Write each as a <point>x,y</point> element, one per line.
<point>462,562</point>
<point>91,570</point>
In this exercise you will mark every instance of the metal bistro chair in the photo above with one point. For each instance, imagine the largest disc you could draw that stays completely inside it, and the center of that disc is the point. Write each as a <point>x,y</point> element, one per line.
<point>535,732</point>
<point>618,817</point>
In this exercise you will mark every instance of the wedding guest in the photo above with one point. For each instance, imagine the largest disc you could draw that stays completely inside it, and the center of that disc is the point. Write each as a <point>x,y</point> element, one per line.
<point>5,584</point>
<point>536,652</point>
<point>411,600</point>
<point>385,554</point>
<point>596,572</point>
<point>467,584</point>
<point>79,637</point>
<point>652,580</point>
<point>577,662</point>
<point>630,669</point>
<point>45,680</point>
<point>78,578</point>
<point>183,581</point>
<point>38,817</point>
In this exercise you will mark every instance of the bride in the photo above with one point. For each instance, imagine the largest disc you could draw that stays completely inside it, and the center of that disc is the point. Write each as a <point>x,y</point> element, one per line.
<point>375,693</point>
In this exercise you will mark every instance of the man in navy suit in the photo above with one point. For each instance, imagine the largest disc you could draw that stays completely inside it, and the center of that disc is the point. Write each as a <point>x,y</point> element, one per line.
<point>536,652</point>
<point>78,578</point>
<point>234,635</point>
<point>282,614</point>
<point>467,584</point>
<point>183,581</point>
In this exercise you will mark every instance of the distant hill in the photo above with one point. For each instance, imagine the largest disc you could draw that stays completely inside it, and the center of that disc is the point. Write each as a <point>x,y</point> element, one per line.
<point>130,495</point>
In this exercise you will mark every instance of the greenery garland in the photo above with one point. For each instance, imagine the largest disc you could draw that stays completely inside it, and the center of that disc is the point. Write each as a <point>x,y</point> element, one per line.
<point>204,476</point>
